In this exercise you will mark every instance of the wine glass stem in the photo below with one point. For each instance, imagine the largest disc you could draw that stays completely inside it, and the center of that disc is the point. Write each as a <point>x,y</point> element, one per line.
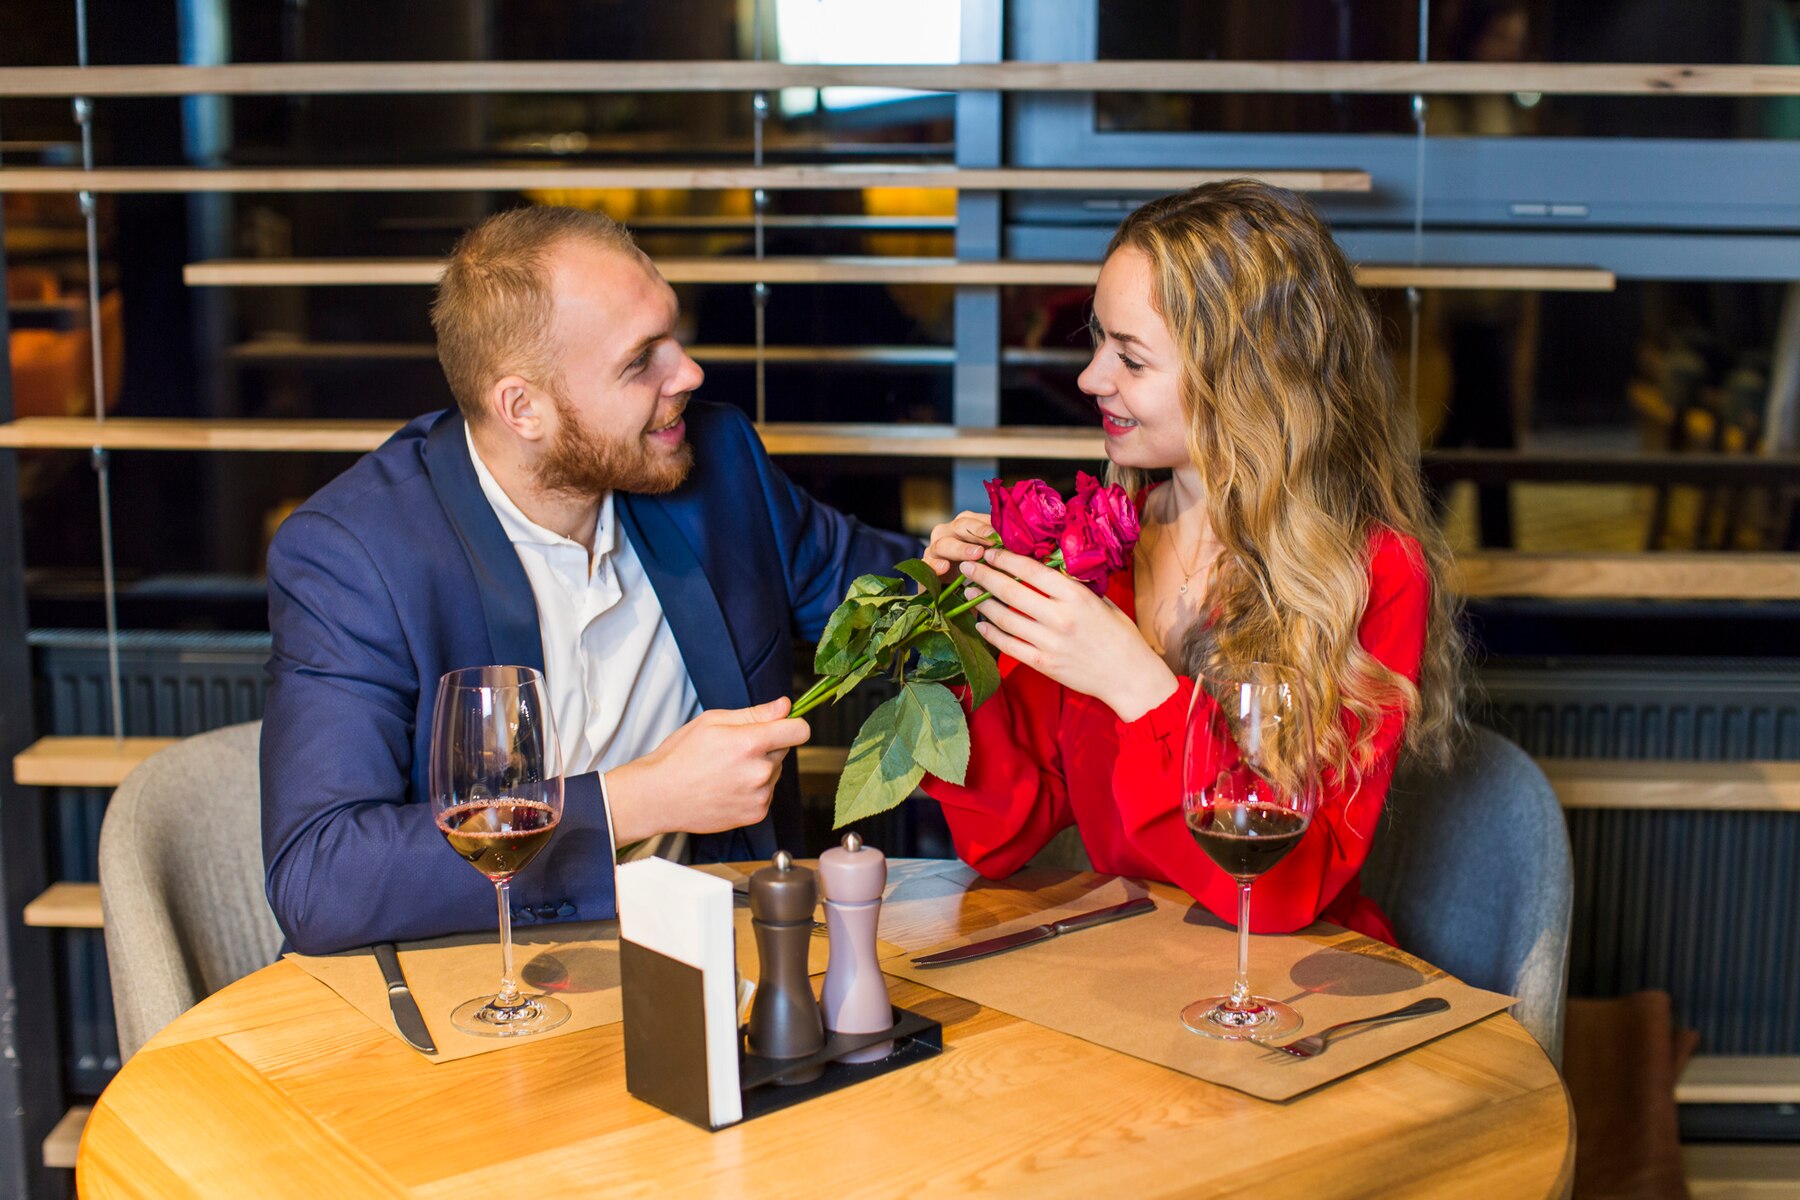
<point>1240,987</point>
<point>508,995</point>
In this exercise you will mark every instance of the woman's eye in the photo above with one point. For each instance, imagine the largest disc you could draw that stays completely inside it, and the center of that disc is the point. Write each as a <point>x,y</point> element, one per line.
<point>1131,365</point>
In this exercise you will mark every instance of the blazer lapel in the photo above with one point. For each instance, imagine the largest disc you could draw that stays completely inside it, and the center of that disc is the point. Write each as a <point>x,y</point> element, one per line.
<point>689,603</point>
<point>507,605</point>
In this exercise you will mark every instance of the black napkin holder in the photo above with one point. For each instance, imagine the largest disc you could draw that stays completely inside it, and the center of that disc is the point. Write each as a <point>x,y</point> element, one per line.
<point>665,1046</point>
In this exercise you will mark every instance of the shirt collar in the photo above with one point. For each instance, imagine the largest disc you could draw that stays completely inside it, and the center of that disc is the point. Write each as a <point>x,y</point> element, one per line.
<point>521,529</point>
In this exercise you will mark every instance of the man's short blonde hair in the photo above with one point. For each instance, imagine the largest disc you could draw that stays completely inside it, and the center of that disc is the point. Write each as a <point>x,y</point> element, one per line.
<point>493,307</point>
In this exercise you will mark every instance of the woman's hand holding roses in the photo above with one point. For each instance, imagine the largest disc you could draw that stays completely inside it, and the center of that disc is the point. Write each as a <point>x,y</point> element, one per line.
<point>1058,626</point>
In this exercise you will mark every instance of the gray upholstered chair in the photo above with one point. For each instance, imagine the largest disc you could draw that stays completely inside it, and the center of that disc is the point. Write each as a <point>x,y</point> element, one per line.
<point>1472,866</point>
<point>181,880</point>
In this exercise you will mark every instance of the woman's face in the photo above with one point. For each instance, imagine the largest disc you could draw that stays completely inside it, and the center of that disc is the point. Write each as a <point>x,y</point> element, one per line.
<point>1135,374</point>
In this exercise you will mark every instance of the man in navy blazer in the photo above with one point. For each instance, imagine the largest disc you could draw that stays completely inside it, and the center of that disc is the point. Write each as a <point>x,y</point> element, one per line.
<point>557,336</point>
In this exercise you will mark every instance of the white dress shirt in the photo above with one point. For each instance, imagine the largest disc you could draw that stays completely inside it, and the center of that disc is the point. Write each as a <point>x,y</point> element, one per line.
<point>618,685</point>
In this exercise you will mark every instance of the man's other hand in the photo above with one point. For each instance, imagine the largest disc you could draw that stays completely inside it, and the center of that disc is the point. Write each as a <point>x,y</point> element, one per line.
<point>715,773</point>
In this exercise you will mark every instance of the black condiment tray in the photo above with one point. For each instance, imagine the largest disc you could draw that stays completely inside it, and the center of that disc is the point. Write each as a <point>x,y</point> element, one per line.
<point>915,1038</point>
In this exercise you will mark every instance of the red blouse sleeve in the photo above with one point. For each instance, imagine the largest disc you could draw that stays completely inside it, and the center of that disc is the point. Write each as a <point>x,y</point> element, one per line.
<point>1147,784</point>
<point>1014,797</point>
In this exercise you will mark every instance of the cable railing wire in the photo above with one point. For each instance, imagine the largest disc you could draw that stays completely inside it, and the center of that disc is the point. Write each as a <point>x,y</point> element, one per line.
<point>84,120</point>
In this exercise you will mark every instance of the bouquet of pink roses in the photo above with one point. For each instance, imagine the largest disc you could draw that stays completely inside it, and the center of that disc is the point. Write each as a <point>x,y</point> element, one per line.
<point>927,640</point>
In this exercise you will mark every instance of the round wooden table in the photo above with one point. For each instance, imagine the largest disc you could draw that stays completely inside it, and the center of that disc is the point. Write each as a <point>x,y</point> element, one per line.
<point>275,1087</point>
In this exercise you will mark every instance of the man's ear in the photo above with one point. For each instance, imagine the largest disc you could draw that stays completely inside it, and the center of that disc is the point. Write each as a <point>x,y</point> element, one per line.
<point>518,406</point>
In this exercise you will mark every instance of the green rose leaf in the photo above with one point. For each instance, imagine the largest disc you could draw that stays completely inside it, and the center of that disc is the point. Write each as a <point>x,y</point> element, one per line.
<point>916,570</point>
<point>846,636</point>
<point>937,658</point>
<point>979,669</point>
<point>873,585</point>
<point>869,665</point>
<point>897,625</point>
<point>922,729</point>
<point>941,736</point>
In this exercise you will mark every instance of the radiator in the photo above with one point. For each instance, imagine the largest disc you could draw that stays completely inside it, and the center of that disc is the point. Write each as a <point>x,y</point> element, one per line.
<point>1700,904</point>
<point>174,684</point>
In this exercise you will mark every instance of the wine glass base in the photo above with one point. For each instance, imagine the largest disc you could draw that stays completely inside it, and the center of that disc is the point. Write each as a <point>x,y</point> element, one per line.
<point>534,1014</point>
<point>1258,1020</point>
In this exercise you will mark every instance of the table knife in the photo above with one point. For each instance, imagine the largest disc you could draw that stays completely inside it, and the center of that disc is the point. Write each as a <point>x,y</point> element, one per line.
<point>1025,937</point>
<point>400,1000</point>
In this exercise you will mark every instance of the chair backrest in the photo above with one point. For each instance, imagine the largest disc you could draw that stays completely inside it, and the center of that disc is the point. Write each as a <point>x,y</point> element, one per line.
<point>181,880</point>
<point>1472,866</point>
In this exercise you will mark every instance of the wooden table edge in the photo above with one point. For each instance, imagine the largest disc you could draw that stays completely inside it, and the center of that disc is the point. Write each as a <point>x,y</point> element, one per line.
<point>1561,1188</point>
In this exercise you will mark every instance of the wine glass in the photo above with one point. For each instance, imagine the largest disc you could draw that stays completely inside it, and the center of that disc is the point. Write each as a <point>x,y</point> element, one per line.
<point>497,794</point>
<point>1248,788</point>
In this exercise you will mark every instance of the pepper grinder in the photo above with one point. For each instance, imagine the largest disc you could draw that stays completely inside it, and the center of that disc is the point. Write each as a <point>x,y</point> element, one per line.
<point>855,998</point>
<point>784,1017</point>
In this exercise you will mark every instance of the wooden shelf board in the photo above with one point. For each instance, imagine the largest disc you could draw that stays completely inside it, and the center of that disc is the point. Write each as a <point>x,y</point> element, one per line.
<point>1645,784</point>
<point>934,441</point>
<point>829,177</point>
<point>1579,783</point>
<point>294,352</point>
<point>392,272</point>
<point>64,1139</point>
<point>1750,1171</point>
<point>1504,278</point>
<point>1740,1079</point>
<point>1671,576</point>
<point>82,761</point>
<point>175,433</point>
<point>822,760</point>
<point>66,906</point>
<point>375,78</point>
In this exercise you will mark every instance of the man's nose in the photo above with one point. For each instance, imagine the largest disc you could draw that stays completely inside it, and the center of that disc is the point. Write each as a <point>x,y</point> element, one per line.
<point>688,377</point>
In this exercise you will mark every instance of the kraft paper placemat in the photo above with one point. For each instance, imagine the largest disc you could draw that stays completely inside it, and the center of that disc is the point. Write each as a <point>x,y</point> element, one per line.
<point>577,962</point>
<point>921,905</point>
<point>1123,986</point>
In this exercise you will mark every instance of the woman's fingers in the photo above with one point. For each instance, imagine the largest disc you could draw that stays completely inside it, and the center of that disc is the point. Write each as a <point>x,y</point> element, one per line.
<point>1033,578</point>
<point>1009,591</point>
<point>960,540</point>
<point>1030,570</point>
<point>996,612</point>
<point>1019,649</point>
<point>975,527</point>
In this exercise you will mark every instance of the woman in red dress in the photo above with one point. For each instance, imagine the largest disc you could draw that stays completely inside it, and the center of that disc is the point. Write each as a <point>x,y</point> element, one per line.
<point>1250,407</point>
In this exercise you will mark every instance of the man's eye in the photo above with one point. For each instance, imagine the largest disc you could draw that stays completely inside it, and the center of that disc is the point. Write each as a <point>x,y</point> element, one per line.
<point>641,361</point>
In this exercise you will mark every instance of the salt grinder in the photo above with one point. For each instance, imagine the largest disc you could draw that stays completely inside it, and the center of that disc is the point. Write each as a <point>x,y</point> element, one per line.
<point>784,1017</point>
<point>855,997</point>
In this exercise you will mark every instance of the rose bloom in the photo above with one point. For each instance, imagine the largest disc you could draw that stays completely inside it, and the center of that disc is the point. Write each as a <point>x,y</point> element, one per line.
<point>1028,516</point>
<point>1101,531</point>
<point>1116,520</point>
<point>1085,549</point>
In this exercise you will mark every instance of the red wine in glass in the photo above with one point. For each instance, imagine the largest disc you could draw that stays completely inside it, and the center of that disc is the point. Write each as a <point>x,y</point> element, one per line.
<point>1246,839</point>
<point>1249,785</point>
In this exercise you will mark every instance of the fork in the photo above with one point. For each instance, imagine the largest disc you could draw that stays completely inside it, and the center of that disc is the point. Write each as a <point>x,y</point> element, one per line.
<point>1315,1043</point>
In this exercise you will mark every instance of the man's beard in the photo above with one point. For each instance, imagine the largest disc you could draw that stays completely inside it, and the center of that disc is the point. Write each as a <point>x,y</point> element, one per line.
<point>584,463</point>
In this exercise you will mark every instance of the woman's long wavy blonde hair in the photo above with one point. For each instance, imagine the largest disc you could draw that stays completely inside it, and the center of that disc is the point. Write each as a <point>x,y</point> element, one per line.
<point>1305,448</point>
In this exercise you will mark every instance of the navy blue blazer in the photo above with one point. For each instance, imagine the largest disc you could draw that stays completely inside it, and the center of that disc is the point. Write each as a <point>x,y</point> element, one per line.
<point>398,571</point>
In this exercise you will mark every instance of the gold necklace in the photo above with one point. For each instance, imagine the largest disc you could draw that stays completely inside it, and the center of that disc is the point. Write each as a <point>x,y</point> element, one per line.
<point>1188,577</point>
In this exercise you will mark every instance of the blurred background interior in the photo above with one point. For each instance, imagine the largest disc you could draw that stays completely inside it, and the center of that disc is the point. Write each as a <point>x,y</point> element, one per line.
<point>1658,416</point>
